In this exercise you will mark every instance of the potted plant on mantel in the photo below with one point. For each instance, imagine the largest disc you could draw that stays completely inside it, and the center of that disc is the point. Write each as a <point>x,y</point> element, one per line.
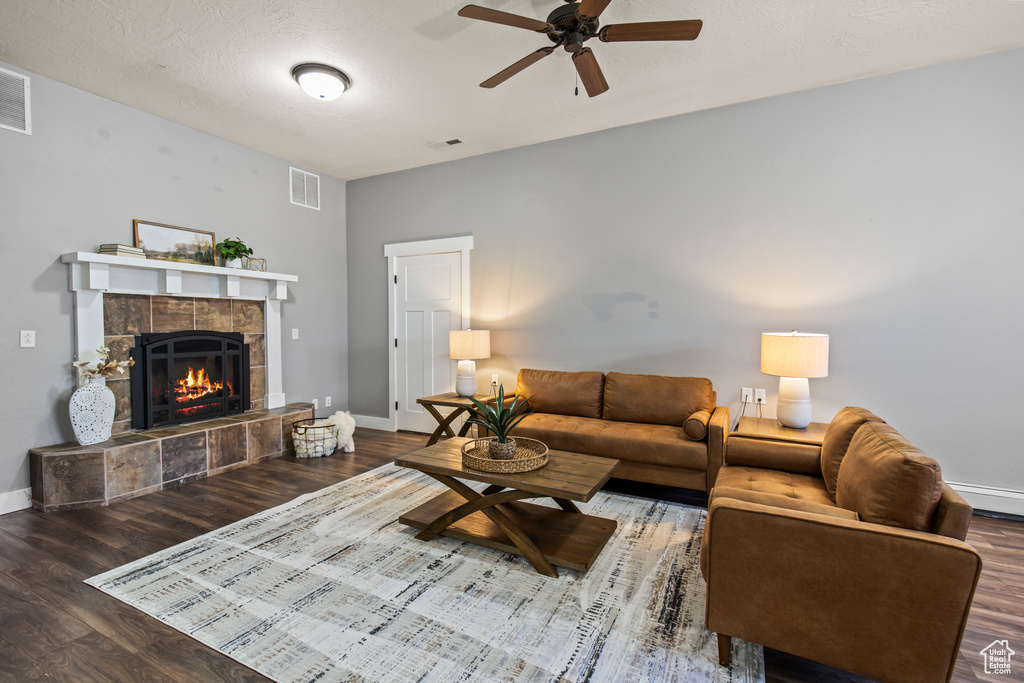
<point>500,419</point>
<point>232,251</point>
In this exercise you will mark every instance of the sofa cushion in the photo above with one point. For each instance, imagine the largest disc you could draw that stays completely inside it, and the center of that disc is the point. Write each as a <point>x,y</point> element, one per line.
<point>655,399</point>
<point>696,426</point>
<point>563,393</point>
<point>785,502</point>
<point>837,439</point>
<point>787,484</point>
<point>653,444</point>
<point>886,480</point>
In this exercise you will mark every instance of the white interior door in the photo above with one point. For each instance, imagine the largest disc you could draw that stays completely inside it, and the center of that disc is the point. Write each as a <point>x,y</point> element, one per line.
<point>428,304</point>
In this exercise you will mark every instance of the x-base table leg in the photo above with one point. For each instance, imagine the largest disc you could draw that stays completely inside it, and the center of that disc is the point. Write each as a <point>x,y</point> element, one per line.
<point>477,502</point>
<point>443,423</point>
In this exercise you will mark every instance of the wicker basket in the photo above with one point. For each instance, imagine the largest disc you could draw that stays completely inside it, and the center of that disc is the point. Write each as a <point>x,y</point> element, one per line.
<point>530,455</point>
<point>314,441</point>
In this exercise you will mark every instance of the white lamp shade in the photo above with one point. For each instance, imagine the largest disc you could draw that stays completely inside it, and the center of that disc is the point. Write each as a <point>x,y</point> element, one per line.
<point>794,354</point>
<point>469,344</point>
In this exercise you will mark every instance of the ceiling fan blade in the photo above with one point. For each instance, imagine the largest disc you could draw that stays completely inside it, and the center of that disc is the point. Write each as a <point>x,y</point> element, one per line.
<point>592,8</point>
<point>496,17</point>
<point>652,30</point>
<point>590,72</point>
<point>511,71</point>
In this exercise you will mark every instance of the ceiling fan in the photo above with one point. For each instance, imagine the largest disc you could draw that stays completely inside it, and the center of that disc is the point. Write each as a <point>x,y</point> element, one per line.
<point>572,25</point>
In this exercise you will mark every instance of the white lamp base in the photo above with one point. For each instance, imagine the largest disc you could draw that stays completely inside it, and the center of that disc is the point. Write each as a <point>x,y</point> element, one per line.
<point>465,378</point>
<point>794,406</point>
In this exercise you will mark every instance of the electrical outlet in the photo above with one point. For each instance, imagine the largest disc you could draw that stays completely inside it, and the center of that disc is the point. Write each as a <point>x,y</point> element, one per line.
<point>316,404</point>
<point>494,378</point>
<point>28,339</point>
<point>327,402</point>
<point>295,333</point>
<point>759,396</point>
<point>746,395</point>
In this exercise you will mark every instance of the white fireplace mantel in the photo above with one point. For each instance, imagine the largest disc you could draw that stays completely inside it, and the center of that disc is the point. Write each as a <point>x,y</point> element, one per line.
<point>91,275</point>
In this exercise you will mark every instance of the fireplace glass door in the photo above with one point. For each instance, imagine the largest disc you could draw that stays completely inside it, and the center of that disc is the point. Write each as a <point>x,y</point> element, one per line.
<point>187,376</point>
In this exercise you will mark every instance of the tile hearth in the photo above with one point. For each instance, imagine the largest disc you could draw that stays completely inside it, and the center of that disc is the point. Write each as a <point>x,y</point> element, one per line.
<point>68,476</point>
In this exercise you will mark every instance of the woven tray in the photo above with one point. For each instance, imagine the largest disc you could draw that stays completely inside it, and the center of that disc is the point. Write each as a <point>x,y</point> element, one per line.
<point>530,455</point>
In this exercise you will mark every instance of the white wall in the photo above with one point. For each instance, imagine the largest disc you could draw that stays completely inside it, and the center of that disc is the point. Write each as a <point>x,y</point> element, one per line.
<point>888,213</point>
<point>88,169</point>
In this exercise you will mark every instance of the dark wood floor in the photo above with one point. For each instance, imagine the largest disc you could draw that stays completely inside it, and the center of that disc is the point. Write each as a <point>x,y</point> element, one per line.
<point>54,627</point>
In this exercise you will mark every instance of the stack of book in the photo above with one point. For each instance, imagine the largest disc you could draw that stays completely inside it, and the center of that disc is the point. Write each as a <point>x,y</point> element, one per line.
<point>122,250</point>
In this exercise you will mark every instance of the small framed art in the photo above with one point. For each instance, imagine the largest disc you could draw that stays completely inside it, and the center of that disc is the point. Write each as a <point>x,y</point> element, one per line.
<point>171,243</point>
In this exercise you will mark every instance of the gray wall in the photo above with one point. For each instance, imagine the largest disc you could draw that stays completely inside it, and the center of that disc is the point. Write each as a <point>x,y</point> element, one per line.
<point>885,212</point>
<point>88,169</point>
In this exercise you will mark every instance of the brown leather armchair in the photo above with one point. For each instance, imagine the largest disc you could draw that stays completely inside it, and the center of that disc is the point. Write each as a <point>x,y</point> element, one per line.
<point>871,576</point>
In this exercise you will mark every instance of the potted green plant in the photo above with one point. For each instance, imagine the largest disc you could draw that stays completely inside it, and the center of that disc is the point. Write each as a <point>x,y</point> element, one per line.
<point>232,251</point>
<point>500,419</point>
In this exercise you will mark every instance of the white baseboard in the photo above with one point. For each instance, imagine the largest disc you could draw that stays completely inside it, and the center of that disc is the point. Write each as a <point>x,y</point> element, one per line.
<point>13,501</point>
<point>1008,501</point>
<point>384,424</point>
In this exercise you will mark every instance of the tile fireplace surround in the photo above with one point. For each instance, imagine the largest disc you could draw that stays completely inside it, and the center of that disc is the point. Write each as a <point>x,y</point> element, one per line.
<point>119,297</point>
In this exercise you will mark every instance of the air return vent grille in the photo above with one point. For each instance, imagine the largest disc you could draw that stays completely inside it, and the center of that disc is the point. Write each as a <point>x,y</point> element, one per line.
<point>15,109</point>
<point>441,144</point>
<point>305,188</point>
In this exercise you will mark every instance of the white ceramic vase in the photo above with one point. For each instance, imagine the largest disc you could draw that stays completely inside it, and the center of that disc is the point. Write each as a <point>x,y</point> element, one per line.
<point>92,411</point>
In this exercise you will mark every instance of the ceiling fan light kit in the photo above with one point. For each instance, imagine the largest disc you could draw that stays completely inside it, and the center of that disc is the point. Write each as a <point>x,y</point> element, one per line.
<point>320,81</point>
<point>572,24</point>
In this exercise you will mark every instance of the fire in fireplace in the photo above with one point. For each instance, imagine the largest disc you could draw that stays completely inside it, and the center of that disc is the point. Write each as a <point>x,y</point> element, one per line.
<point>187,376</point>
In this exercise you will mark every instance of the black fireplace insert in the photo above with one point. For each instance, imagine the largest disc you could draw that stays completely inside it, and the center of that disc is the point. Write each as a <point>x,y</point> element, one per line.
<point>187,376</point>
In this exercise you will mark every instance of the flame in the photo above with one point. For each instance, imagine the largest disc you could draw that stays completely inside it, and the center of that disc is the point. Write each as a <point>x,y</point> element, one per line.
<point>196,385</point>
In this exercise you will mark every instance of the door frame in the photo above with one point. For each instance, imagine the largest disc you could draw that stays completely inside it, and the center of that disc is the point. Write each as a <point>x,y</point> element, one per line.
<point>392,252</point>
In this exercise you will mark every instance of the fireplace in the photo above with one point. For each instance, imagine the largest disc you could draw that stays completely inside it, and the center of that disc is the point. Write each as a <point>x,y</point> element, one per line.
<point>187,376</point>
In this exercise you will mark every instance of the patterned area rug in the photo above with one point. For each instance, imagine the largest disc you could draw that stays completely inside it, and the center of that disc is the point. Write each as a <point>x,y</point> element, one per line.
<point>330,587</point>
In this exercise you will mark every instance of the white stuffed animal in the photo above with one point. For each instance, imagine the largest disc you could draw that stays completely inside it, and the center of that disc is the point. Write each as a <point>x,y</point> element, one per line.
<point>345,427</point>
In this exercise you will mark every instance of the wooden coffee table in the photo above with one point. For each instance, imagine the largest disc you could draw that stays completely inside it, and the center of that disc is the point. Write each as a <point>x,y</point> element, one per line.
<point>496,517</point>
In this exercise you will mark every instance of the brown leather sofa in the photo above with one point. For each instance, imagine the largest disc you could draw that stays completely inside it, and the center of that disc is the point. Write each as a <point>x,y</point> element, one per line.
<point>663,430</point>
<point>850,554</point>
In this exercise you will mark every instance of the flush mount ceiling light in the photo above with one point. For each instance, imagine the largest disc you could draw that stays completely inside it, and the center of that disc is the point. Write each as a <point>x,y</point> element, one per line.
<point>321,82</point>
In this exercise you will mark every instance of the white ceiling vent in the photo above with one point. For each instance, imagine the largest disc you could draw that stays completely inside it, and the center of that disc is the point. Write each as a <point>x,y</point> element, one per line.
<point>441,144</point>
<point>15,106</point>
<point>305,188</point>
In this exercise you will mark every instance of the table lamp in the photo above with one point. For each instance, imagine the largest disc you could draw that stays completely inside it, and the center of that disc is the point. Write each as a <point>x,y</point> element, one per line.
<point>793,357</point>
<point>467,346</point>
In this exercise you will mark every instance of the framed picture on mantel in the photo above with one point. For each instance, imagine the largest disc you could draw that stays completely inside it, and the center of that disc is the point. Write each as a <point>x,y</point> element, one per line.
<point>171,243</point>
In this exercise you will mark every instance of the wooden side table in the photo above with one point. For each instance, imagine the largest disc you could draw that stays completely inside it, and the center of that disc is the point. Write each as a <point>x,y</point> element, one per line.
<point>460,404</point>
<point>769,429</point>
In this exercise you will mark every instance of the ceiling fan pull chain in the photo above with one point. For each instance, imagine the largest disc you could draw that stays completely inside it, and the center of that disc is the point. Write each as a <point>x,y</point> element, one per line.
<point>577,83</point>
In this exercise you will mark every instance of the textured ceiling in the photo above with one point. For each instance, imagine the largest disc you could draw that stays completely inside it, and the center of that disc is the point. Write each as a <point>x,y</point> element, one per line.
<point>223,66</point>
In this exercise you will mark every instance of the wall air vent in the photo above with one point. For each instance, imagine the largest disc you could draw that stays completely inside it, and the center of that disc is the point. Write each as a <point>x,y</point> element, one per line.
<point>305,188</point>
<point>441,144</point>
<point>15,105</point>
